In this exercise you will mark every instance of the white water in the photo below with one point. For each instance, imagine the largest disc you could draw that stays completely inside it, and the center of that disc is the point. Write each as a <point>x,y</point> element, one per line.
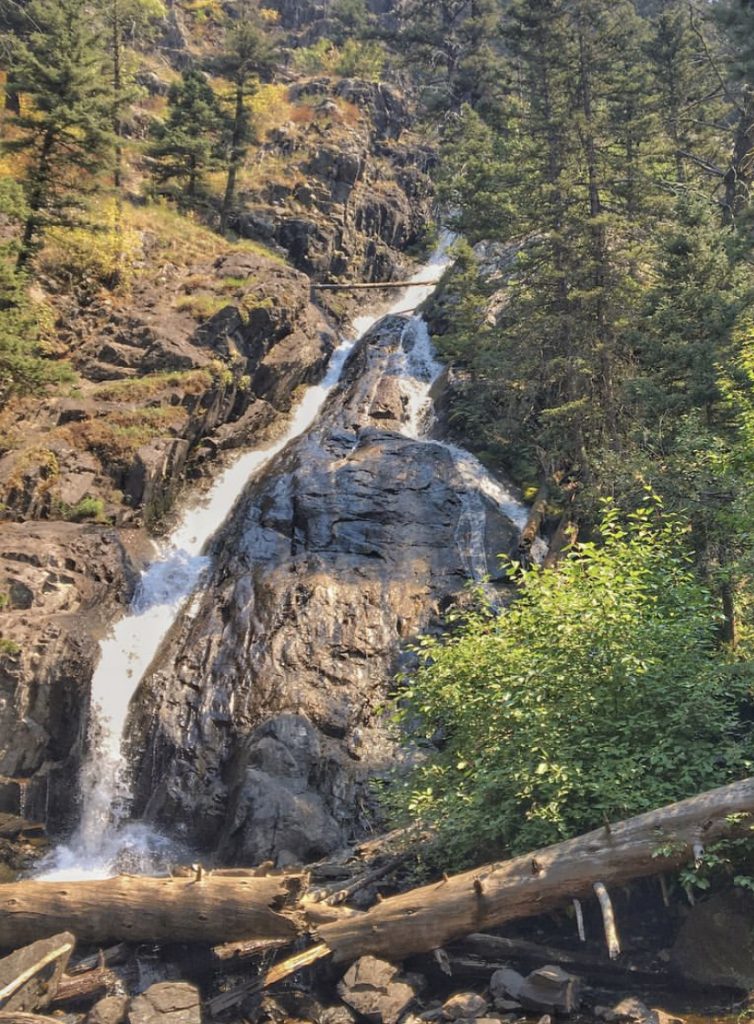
<point>105,842</point>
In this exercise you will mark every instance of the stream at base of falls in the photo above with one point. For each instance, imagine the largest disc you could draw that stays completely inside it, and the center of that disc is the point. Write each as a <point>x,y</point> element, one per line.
<point>106,841</point>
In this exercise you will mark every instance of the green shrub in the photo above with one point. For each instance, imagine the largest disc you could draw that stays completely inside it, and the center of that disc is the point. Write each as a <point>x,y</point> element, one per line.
<point>600,692</point>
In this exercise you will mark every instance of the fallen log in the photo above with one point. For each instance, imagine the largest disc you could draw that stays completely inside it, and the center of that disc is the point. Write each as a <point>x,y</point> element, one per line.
<point>139,909</point>
<point>217,909</point>
<point>428,918</point>
<point>348,285</point>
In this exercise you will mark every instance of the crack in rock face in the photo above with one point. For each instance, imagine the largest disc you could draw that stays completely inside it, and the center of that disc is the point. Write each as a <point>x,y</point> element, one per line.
<point>257,732</point>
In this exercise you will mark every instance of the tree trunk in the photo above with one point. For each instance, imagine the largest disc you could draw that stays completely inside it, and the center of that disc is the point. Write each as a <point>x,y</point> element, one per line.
<point>236,156</point>
<point>137,909</point>
<point>225,909</point>
<point>424,919</point>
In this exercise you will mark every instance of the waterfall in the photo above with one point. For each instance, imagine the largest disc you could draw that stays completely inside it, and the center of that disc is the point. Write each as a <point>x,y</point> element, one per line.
<point>418,369</point>
<point>105,842</point>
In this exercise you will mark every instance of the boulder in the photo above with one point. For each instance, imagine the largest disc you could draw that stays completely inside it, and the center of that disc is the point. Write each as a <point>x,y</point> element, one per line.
<point>550,989</point>
<point>505,984</point>
<point>630,1009</point>
<point>110,1010</point>
<point>715,945</point>
<point>376,991</point>
<point>465,1006</point>
<point>169,1002</point>
<point>39,989</point>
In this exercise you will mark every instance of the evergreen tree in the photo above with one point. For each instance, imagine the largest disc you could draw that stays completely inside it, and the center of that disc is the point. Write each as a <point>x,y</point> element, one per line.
<point>23,368</point>
<point>453,42</point>
<point>65,122</point>
<point>126,21</point>
<point>248,53</point>
<point>186,144</point>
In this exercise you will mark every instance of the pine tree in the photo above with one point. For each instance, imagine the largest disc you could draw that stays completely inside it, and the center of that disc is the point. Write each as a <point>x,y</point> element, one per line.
<point>125,22</point>
<point>186,144</point>
<point>454,44</point>
<point>65,120</point>
<point>248,53</point>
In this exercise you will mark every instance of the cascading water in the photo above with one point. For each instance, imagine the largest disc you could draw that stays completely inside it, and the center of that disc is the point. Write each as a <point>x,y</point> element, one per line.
<point>105,842</point>
<point>418,369</point>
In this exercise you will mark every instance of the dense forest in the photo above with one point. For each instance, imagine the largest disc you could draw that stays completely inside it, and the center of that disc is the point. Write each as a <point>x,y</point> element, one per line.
<point>595,160</point>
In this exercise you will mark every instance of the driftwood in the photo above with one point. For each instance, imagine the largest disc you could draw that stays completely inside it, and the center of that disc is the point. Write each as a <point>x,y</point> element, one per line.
<point>104,958</point>
<point>82,987</point>
<point>480,955</point>
<point>26,1018</point>
<point>137,909</point>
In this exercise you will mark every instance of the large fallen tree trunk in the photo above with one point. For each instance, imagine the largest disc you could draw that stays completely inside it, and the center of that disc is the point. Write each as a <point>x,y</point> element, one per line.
<point>264,910</point>
<point>427,918</point>
<point>135,909</point>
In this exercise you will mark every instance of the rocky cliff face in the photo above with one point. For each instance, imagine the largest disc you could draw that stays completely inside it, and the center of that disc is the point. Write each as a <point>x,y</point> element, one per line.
<point>204,353</point>
<point>62,583</point>
<point>258,733</point>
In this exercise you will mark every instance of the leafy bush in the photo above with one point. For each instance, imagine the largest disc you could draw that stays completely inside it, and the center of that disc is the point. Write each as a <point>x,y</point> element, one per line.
<point>94,258</point>
<point>362,59</point>
<point>365,59</point>
<point>597,694</point>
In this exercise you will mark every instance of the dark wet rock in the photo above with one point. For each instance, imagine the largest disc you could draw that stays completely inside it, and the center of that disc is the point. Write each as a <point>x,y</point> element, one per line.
<point>376,991</point>
<point>263,718</point>
<point>110,1010</point>
<point>550,989</point>
<point>715,945</point>
<point>169,1002</point>
<point>39,990</point>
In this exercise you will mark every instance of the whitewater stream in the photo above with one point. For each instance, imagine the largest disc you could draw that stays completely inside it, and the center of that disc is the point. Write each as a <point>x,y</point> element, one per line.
<point>106,842</point>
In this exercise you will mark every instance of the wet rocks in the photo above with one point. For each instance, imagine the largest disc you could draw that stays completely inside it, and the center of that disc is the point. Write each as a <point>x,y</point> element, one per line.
<point>376,990</point>
<point>548,989</point>
<point>266,705</point>
<point>465,1006</point>
<point>110,1010</point>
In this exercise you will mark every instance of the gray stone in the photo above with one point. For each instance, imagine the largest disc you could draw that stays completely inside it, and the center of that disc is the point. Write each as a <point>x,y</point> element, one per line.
<point>169,1002</point>
<point>550,989</point>
<point>506,983</point>
<point>260,719</point>
<point>40,989</point>
<point>376,991</point>
<point>632,1009</point>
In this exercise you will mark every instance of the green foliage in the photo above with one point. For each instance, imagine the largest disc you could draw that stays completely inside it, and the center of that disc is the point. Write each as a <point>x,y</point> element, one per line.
<point>23,367</point>
<point>88,508</point>
<point>364,59</point>
<point>65,124</point>
<point>185,145</point>
<point>597,694</point>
